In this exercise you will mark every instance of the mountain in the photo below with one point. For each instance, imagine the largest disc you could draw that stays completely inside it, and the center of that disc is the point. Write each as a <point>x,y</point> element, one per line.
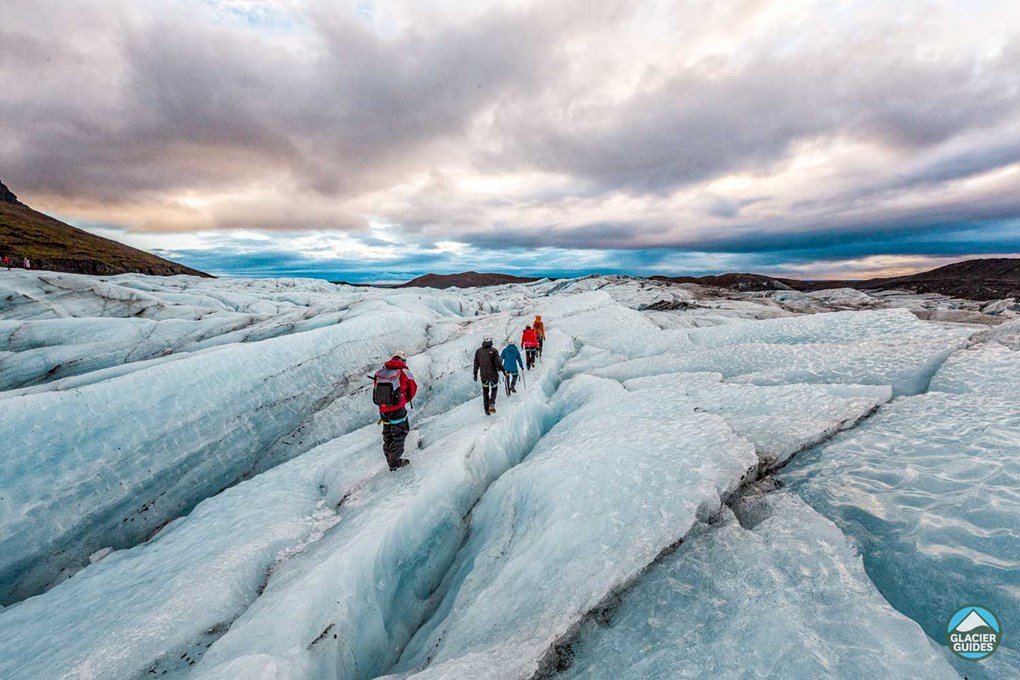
<point>7,196</point>
<point>56,246</point>
<point>979,279</point>
<point>982,279</point>
<point>464,280</point>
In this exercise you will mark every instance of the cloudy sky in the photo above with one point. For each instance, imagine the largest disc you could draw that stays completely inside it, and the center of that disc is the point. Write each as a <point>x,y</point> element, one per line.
<point>377,139</point>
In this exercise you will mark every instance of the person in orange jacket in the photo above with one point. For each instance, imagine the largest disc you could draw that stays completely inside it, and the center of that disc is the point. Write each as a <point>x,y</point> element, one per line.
<point>529,341</point>
<point>540,332</point>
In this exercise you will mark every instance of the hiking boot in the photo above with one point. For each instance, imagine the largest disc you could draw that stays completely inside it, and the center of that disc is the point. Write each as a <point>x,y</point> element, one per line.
<point>401,462</point>
<point>492,409</point>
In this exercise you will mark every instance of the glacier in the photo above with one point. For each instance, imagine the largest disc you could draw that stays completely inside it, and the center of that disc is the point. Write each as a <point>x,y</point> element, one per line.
<point>928,488</point>
<point>789,592</point>
<point>194,485</point>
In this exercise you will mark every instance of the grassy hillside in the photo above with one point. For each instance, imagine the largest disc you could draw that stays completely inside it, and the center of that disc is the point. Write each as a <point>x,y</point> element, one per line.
<point>983,279</point>
<point>464,280</point>
<point>56,246</point>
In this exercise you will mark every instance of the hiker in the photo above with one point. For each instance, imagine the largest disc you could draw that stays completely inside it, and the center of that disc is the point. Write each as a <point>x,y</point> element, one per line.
<point>540,332</point>
<point>529,341</point>
<point>7,261</point>
<point>27,263</point>
<point>511,362</point>
<point>488,364</point>
<point>393,389</point>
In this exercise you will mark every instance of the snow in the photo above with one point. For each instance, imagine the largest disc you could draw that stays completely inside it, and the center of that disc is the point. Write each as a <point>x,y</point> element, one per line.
<point>790,594</point>
<point>195,486</point>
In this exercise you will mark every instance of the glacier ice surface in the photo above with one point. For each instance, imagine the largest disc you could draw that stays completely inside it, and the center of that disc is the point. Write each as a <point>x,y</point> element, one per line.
<point>611,486</point>
<point>928,488</point>
<point>229,419</point>
<point>787,598</point>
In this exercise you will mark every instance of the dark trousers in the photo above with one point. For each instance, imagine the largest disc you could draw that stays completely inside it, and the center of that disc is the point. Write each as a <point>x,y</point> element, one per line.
<point>489,392</point>
<point>511,382</point>
<point>394,434</point>
<point>529,356</point>
<point>541,344</point>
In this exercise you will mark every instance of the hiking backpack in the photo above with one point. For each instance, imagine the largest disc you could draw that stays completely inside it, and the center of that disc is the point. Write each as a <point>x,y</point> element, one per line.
<point>386,387</point>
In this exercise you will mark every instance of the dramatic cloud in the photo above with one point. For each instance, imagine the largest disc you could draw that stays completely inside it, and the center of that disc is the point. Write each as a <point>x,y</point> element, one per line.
<point>320,138</point>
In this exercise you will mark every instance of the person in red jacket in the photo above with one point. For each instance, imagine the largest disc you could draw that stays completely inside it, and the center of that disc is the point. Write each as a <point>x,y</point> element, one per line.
<point>529,341</point>
<point>394,389</point>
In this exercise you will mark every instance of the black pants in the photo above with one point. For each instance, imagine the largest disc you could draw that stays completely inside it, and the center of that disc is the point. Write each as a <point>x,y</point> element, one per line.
<point>541,344</point>
<point>529,356</point>
<point>394,434</point>
<point>511,382</point>
<point>489,392</point>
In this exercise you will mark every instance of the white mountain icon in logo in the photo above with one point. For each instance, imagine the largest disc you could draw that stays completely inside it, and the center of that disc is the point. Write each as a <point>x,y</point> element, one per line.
<point>971,621</point>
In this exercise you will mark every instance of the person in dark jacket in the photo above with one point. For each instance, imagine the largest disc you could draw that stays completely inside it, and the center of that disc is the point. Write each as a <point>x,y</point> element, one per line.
<point>393,415</point>
<point>511,357</point>
<point>489,366</point>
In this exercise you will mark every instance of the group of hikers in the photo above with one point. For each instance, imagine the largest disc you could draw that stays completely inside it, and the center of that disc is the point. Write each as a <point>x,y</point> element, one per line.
<point>394,386</point>
<point>490,365</point>
<point>9,262</point>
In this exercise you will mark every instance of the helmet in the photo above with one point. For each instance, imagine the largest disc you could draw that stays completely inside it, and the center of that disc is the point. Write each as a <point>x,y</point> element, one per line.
<point>511,341</point>
<point>402,355</point>
<point>487,338</point>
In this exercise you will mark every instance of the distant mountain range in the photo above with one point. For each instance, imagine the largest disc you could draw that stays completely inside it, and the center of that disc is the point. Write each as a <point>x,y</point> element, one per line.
<point>464,280</point>
<point>50,244</point>
<point>980,279</point>
<point>54,245</point>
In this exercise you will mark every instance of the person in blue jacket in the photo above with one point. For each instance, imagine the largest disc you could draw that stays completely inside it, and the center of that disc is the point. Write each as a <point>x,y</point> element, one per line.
<point>511,362</point>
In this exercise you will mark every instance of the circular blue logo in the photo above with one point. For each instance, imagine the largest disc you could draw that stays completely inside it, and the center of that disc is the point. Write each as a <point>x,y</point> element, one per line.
<point>973,633</point>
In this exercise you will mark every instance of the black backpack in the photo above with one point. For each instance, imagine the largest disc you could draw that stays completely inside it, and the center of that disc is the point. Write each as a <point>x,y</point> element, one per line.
<point>384,393</point>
